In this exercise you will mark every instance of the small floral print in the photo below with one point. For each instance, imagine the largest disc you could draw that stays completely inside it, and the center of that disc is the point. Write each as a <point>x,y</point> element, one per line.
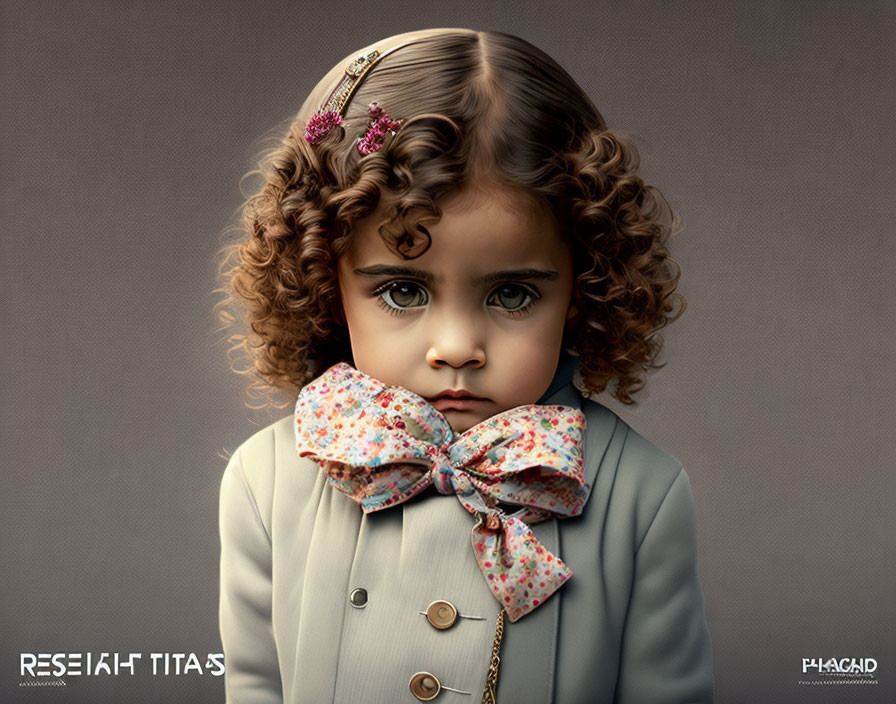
<point>530,456</point>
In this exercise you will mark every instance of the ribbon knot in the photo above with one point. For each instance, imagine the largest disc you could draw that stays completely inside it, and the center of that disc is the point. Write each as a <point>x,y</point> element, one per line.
<point>529,456</point>
<point>442,473</point>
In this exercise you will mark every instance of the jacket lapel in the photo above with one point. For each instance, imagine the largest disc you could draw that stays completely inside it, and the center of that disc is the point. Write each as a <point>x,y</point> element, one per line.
<point>529,647</point>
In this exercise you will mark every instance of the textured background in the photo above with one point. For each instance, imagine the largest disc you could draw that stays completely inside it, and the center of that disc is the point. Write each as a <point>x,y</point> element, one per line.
<point>126,127</point>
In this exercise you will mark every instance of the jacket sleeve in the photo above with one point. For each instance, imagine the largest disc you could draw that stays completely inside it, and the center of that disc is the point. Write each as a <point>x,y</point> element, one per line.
<point>252,672</point>
<point>666,655</point>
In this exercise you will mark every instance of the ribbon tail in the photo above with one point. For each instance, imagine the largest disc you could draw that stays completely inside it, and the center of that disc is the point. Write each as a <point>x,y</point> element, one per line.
<point>520,571</point>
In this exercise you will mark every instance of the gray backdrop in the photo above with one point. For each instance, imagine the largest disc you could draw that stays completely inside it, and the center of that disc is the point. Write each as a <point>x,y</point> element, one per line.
<point>125,129</point>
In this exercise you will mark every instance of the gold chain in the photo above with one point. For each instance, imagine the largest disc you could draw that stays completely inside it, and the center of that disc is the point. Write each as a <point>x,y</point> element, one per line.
<point>488,696</point>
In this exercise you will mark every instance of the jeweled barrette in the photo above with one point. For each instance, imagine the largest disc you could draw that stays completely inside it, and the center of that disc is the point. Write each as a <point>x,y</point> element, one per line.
<point>333,108</point>
<point>378,126</point>
<point>320,124</point>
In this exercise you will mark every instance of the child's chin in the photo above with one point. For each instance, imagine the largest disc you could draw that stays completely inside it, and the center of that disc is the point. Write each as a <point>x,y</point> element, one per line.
<point>461,421</point>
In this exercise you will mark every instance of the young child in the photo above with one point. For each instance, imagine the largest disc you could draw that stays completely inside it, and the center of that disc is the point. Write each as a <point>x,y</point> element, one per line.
<point>449,251</point>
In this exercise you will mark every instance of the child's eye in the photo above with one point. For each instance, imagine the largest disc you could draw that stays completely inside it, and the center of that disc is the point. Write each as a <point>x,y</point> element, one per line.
<point>513,298</point>
<point>400,295</point>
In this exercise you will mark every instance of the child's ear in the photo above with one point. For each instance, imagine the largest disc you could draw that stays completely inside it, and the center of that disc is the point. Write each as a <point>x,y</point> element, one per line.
<point>572,313</point>
<point>570,326</point>
<point>338,311</point>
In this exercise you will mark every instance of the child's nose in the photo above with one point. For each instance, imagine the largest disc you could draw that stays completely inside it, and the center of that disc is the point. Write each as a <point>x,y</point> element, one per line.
<point>456,342</point>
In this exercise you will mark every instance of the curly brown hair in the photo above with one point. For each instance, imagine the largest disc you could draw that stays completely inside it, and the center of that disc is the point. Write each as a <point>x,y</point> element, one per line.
<point>483,106</point>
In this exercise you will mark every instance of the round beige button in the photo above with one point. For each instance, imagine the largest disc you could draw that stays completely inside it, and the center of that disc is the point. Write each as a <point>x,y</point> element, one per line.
<point>358,598</point>
<point>425,686</point>
<point>441,614</point>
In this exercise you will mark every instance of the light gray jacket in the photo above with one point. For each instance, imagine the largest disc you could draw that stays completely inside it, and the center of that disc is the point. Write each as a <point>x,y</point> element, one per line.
<point>627,628</point>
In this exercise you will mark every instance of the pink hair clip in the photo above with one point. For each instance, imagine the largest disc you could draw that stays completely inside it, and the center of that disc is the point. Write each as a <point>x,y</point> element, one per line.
<point>379,125</point>
<point>320,124</point>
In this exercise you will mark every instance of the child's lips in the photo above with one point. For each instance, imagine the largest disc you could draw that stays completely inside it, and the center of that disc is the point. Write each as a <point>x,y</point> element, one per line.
<point>455,400</point>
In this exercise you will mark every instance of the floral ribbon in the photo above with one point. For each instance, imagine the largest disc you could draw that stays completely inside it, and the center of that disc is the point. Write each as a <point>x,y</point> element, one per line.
<point>382,445</point>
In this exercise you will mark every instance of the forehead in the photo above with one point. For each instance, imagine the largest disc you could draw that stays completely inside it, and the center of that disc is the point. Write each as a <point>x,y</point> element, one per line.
<point>481,227</point>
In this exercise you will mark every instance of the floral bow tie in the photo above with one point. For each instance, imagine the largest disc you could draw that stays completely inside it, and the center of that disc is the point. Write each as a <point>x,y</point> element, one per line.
<point>382,445</point>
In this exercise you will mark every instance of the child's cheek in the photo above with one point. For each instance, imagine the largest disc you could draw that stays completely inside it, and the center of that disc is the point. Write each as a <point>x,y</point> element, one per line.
<point>529,365</point>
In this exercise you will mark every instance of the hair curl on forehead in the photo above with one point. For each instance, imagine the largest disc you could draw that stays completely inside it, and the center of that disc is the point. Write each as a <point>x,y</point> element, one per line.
<point>485,107</point>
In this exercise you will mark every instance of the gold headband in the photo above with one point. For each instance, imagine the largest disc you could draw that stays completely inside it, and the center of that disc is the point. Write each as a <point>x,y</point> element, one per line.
<point>352,77</point>
<point>331,111</point>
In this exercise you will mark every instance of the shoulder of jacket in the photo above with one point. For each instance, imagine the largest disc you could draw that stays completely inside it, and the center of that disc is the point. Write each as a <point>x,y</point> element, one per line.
<point>260,447</point>
<point>257,459</point>
<point>639,457</point>
<point>637,471</point>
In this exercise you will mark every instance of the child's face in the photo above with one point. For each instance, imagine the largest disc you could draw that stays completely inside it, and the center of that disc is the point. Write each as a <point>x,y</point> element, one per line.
<point>474,324</point>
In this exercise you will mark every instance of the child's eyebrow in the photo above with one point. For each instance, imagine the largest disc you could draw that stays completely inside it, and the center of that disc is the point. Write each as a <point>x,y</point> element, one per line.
<point>517,274</point>
<point>384,270</point>
<point>510,275</point>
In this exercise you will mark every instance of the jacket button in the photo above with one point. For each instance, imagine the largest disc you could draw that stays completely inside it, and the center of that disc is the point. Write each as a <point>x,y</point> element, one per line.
<point>358,598</point>
<point>441,614</point>
<point>425,686</point>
